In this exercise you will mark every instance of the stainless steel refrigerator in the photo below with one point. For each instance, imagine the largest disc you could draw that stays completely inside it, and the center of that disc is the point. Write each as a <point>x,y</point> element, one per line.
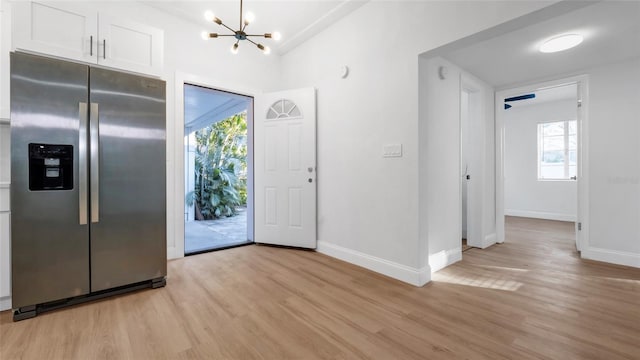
<point>88,209</point>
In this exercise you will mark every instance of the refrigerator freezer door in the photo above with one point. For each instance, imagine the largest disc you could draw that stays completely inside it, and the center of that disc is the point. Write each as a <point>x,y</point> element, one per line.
<point>128,237</point>
<point>49,245</point>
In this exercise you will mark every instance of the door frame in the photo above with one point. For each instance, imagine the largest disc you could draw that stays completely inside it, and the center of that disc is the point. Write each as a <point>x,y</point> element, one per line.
<point>476,105</point>
<point>175,152</point>
<point>582,181</point>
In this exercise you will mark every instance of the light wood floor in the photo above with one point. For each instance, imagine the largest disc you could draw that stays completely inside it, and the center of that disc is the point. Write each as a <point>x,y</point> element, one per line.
<point>530,298</point>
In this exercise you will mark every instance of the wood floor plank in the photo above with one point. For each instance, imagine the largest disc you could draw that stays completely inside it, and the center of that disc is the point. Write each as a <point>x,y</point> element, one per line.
<point>529,298</point>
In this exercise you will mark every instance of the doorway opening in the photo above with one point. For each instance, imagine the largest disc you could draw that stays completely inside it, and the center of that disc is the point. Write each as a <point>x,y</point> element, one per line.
<point>465,176</point>
<point>541,158</point>
<point>473,120</point>
<point>218,195</point>
<point>468,108</point>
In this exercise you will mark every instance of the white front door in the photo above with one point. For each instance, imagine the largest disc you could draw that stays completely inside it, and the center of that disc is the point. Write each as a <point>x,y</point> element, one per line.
<point>285,168</point>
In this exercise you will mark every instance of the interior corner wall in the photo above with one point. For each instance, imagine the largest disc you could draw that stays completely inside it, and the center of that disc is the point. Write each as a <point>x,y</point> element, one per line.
<point>524,194</point>
<point>614,164</point>
<point>369,212</point>
<point>371,209</point>
<point>440,162</point>
<point>442,159</point>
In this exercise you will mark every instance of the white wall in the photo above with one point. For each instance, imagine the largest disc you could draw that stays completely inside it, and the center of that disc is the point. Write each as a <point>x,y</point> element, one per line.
<point>524,195</point>
<point>186,53</point>
<point>440,140</point>
<point>614,164</point>
<point>368,207</point>
<point>440,134</point>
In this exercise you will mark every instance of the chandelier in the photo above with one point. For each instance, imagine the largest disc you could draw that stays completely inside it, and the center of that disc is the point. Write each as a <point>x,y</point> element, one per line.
<point>239,34</point>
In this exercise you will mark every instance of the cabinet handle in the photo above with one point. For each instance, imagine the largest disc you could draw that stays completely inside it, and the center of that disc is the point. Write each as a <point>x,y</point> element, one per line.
<point>104,49</point>
<point>91,45</point>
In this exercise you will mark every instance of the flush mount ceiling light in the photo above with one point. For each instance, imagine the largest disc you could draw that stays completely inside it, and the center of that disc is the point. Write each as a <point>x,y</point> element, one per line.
<point>560,43</point>
<point>239,34</point>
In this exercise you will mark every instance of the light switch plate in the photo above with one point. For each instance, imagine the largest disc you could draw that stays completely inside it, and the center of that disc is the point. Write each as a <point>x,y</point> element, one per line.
<point>392,150</point>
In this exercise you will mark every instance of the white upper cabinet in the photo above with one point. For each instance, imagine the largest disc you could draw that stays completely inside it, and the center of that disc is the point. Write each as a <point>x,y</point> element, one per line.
<point>128,45</point>
<point>78,32</point>
<point>65,30</point>
<point>5,47</point>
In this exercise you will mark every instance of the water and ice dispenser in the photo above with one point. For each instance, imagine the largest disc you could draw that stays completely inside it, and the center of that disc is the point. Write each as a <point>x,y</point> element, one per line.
<point>50,167</point>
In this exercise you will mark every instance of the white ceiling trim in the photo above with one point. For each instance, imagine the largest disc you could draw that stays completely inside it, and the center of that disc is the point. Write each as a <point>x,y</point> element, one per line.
<point>324,20</point>
<point>328,19</point>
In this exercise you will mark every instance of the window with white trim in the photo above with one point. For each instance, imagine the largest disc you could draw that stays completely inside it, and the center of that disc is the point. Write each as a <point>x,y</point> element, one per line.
<point>557,150</point>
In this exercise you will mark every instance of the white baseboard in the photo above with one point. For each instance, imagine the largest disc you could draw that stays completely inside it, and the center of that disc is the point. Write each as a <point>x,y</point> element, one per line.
<point>489,240</point>
<point>173,253</point>
<point>413,276</point>
<point>540,215</point>
<point>611,256</point>
<point>5,303</point>
<point>444,258</point>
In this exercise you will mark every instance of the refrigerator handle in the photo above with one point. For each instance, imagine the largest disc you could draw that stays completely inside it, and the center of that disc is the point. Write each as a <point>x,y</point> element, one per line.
<point>82,163</point>
<point>94,135</point>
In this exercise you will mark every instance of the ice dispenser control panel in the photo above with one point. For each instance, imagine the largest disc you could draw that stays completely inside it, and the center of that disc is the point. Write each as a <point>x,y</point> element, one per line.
<point>50,167</point>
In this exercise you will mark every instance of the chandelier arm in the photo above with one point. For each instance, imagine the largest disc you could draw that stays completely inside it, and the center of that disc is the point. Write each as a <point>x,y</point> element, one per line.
<point>226,35</point>
<point>230,29</point>
<point>251,41</point>
<point>240,15</point>
<point>260,35</point>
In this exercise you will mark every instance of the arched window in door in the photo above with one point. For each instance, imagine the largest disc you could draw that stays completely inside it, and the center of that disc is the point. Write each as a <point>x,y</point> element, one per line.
<point>283,109</point>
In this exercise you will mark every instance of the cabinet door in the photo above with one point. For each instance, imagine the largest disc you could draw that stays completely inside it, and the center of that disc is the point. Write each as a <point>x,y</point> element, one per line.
<point>130,46</point>
<point>67,30</point>
<point>5,48</point>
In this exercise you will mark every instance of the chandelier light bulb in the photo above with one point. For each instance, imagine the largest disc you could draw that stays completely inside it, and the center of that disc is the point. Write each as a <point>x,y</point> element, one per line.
<point>209,16</point>
<point>204,35</point>
<point>266,50</point>
<point>234,49</point>
<point>249,17</point>
<point>276,36</point>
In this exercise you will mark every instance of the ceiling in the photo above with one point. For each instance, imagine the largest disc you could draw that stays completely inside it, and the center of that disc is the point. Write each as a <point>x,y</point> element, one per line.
<point>296,20</point>
<point>556,93</point>
<point>611,31</point>
<point>204,106</point>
